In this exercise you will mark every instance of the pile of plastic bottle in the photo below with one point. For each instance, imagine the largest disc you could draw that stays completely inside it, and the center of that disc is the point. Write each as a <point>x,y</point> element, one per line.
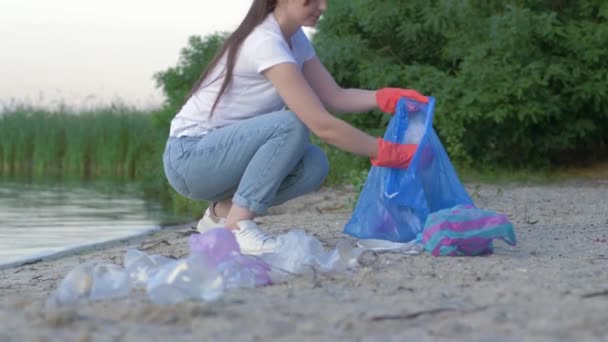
<point>213,266</point>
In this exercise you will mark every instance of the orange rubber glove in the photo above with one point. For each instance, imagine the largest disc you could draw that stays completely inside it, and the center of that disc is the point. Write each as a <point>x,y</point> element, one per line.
<point>394,155</point>
<point>387,98</point>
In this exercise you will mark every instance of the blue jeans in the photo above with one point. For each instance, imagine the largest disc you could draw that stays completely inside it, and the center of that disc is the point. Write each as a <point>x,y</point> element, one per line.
<point>259,162</point>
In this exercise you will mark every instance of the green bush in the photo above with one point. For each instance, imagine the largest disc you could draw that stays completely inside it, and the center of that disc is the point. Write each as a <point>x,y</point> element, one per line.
<point>518,83</point>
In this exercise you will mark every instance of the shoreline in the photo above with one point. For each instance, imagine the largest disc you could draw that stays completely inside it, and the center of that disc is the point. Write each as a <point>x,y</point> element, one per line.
<point>88,247</point>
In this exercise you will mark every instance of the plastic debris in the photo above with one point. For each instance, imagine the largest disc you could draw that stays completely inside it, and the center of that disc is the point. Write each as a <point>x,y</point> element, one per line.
<point>416,125</point>
<point>142,266</point>
<point>466,230</point>
<point>346,257</point>
<point>299,253</point>
<point>92,281</point>
<point>220,247</point>
<point>109,281</point>
<point>75,286</point>
<point>213,266</point>
<point>193,277</point>
<point>218,244</point>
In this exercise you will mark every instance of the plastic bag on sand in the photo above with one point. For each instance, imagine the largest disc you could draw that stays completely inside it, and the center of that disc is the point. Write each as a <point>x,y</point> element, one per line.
<point>220,246</point>
<point>299,253</point>
<point>465,230</point>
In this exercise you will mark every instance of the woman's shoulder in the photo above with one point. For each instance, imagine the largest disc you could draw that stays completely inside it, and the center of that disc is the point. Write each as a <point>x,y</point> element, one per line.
<point>267,30</point>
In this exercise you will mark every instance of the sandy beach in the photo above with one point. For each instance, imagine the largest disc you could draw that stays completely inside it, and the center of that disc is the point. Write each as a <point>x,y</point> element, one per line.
<point>553,286</point>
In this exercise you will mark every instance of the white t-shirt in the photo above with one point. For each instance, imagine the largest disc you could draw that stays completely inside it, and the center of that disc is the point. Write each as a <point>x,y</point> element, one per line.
<point>249,93</point>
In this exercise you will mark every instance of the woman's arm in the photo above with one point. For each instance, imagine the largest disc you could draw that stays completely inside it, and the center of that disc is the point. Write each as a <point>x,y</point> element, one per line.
<point>302,99</point>
<point>332,95</point>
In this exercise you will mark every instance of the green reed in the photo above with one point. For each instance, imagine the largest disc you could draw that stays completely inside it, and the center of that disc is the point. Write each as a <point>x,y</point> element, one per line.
<point>111,142</point>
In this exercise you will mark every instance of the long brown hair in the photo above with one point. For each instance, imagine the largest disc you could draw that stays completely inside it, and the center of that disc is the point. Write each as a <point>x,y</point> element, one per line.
<point>257,13</point>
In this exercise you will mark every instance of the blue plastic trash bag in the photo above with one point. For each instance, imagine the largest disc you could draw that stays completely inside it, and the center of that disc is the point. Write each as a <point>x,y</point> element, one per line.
<point>394,203</point>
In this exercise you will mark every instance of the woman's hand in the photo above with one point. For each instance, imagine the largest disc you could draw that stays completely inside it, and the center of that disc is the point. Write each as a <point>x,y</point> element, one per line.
<point>387,98</point>
<point>394,155</point>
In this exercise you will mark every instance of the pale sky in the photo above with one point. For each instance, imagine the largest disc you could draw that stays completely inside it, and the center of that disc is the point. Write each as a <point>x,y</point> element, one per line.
<point>84,52</point>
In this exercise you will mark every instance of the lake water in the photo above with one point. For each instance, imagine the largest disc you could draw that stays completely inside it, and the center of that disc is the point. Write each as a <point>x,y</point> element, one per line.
<point>45,218</point>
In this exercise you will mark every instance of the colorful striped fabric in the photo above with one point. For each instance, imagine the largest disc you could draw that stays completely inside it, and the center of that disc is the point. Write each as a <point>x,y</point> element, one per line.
<point>465,230</point>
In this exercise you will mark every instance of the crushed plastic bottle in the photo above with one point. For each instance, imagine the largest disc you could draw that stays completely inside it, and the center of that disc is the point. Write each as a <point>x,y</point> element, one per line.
<point>92,281</point>
<point>109,281</point>
<point>75,286</point>
<point>142,266</point>
<point>415,128</point>
<point>348,257</point>
<point>193,277</point>
<point>299,253</point>
<point>235,275</point>
<point>245,271</point>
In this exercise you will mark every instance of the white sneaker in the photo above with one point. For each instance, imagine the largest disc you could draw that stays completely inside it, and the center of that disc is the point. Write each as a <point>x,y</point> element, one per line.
<point>210,221</point>
<point>252,240</point>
